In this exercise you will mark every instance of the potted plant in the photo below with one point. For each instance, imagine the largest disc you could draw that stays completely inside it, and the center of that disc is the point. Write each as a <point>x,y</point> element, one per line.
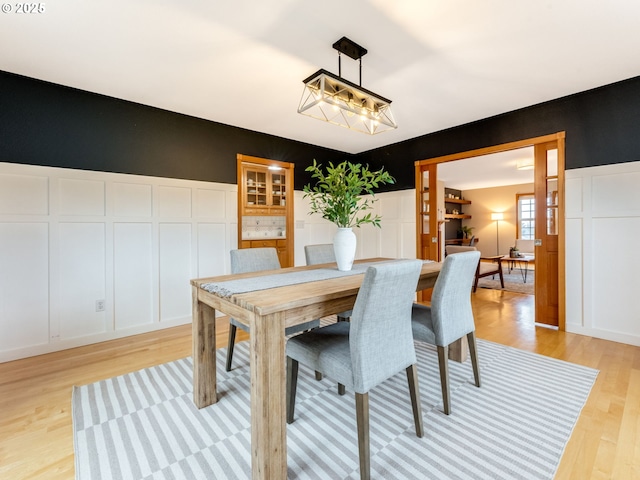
<point>466,231</point>
<point>337,196</point>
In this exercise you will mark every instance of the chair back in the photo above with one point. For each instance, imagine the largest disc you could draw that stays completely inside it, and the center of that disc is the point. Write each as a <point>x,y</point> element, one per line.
<point>380,338</point>
<point>451,312</point>
<point>321,253</point>
<point>248,260</point>
<point>525,247</point>
<point>450,249</point>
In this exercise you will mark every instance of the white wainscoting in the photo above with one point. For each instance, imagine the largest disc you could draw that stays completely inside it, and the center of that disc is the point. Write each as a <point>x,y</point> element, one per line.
<point>69,238</point>
<point>602,261</point>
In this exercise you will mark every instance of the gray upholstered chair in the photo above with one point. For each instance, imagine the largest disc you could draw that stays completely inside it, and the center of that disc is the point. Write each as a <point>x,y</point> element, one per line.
<point>450,316</point>
<point>249,260</point>
<point>323,253</point>
<point>375,345</point>
<point>490,267</point>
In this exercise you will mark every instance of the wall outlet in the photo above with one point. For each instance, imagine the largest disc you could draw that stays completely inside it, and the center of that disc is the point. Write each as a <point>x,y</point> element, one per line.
<point>99,305</point>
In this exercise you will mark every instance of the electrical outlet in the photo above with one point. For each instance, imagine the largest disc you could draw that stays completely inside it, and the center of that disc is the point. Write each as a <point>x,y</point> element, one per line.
<point>99,305</point>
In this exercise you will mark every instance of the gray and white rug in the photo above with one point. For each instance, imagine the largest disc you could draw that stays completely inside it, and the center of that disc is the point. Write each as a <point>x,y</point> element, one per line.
<point>144,425</point>
<point>513,281</point>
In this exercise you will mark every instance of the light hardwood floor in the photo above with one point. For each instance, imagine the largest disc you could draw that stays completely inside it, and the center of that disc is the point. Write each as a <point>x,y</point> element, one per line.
<point>36,440</point>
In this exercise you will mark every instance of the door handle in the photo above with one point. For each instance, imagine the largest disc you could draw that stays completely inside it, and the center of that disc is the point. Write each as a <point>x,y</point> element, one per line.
<point>537,242</point>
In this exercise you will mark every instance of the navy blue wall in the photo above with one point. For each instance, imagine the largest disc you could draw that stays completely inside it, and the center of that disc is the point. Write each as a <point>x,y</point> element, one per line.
<point>47,124</point>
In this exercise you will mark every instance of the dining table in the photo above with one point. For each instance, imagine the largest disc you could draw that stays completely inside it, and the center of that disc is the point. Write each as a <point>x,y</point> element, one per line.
<point>268,302</point>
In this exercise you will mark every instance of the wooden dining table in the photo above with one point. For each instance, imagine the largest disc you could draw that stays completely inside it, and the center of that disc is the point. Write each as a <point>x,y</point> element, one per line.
<point>268,312</point>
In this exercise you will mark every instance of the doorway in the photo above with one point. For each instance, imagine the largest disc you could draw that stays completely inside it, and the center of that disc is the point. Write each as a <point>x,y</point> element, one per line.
<point>549,238</point>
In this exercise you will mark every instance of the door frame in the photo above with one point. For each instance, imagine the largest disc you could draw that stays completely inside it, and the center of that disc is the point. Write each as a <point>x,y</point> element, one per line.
<point>558,137</point>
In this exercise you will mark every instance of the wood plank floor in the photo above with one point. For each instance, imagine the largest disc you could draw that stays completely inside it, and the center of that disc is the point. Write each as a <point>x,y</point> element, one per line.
<point>36,440</point>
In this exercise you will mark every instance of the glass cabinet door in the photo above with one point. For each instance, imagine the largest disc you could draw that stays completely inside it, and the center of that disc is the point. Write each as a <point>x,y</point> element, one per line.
<point>256,187</point>
<point>278,189</point>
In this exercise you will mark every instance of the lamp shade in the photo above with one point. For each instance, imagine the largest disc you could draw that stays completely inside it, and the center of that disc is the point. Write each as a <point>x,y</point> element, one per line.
<point>497,216</point>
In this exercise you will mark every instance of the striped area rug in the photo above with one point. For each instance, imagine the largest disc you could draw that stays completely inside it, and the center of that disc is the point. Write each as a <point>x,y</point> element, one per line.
<point>144,425</point>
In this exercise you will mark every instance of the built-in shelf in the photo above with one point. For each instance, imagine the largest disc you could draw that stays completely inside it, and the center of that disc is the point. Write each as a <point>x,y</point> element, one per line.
<point>457,200</point>
<point>460,215</point>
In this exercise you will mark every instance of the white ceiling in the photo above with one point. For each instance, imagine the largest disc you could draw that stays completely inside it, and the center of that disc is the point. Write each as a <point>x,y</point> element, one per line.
<point>494,170</point>
<point>241,62</point>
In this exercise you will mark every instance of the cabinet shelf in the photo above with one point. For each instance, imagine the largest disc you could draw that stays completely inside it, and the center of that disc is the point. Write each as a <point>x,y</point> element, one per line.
<point>460,215</point>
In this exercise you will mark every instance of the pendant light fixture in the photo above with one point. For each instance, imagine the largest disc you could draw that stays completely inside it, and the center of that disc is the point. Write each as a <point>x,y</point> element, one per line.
<point>333,99</point>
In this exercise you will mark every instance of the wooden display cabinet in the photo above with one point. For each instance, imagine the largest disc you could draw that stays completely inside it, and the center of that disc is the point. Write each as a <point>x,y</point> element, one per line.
<point>265,189</point>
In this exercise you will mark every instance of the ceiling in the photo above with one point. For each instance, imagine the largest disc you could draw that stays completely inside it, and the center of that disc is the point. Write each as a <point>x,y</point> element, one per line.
<point>242,62</point>
<point>487,171</point>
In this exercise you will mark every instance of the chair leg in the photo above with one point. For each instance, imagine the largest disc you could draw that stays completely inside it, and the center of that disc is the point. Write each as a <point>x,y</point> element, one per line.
<point>341,389</point>
<point>473,353</point>
<point>501,277</point>
<point>443,359</point>
<point>318,375</point>
<point>362,420</point>
<point>292,386</point>
<point>414,393</point>
<point>232,342</point>
<point>475,282</point>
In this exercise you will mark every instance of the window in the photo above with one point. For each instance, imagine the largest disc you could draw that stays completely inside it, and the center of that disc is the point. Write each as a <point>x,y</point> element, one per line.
<point>526,216</point>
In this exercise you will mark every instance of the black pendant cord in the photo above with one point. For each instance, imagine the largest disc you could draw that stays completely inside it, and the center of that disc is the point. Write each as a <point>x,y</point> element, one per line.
<point>339,65</point>
<point>360,70</point>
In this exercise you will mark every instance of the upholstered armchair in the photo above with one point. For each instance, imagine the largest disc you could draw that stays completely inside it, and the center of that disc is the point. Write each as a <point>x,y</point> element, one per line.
<point>487,266</point>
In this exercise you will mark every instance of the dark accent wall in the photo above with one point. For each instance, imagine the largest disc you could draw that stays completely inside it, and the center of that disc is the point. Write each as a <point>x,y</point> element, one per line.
<point>602,127</point>
<point>46,124</point>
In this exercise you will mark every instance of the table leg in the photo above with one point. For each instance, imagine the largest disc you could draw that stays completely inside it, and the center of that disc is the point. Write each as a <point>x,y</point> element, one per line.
<point>523,271</point>
<point>203,333</point>
<point>268,399</point>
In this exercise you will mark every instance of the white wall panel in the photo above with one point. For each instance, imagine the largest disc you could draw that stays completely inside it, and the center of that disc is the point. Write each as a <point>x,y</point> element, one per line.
<point>616,193</point>
<point>24,195</point>
<point>616,306</point>
<point>174,202</point>
<point>212,252</point>
<point>24,284</point>
<point>133,274</point>
<point>175,270</point>
<point>81,278</point>
<point>573,197</point>
<point>81,197</point>
<point>573,258</point>
<point>132,200</point>
<point>389,205</point>
<point>408,240</point>
<point>210,203</point>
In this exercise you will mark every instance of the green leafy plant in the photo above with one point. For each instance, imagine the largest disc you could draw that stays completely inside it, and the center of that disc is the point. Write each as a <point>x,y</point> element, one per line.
<point>337,194</point>
<point>466,230</point>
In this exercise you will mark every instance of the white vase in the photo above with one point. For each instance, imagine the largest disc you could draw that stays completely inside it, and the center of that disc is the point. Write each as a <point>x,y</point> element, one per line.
<point>344,247</point>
